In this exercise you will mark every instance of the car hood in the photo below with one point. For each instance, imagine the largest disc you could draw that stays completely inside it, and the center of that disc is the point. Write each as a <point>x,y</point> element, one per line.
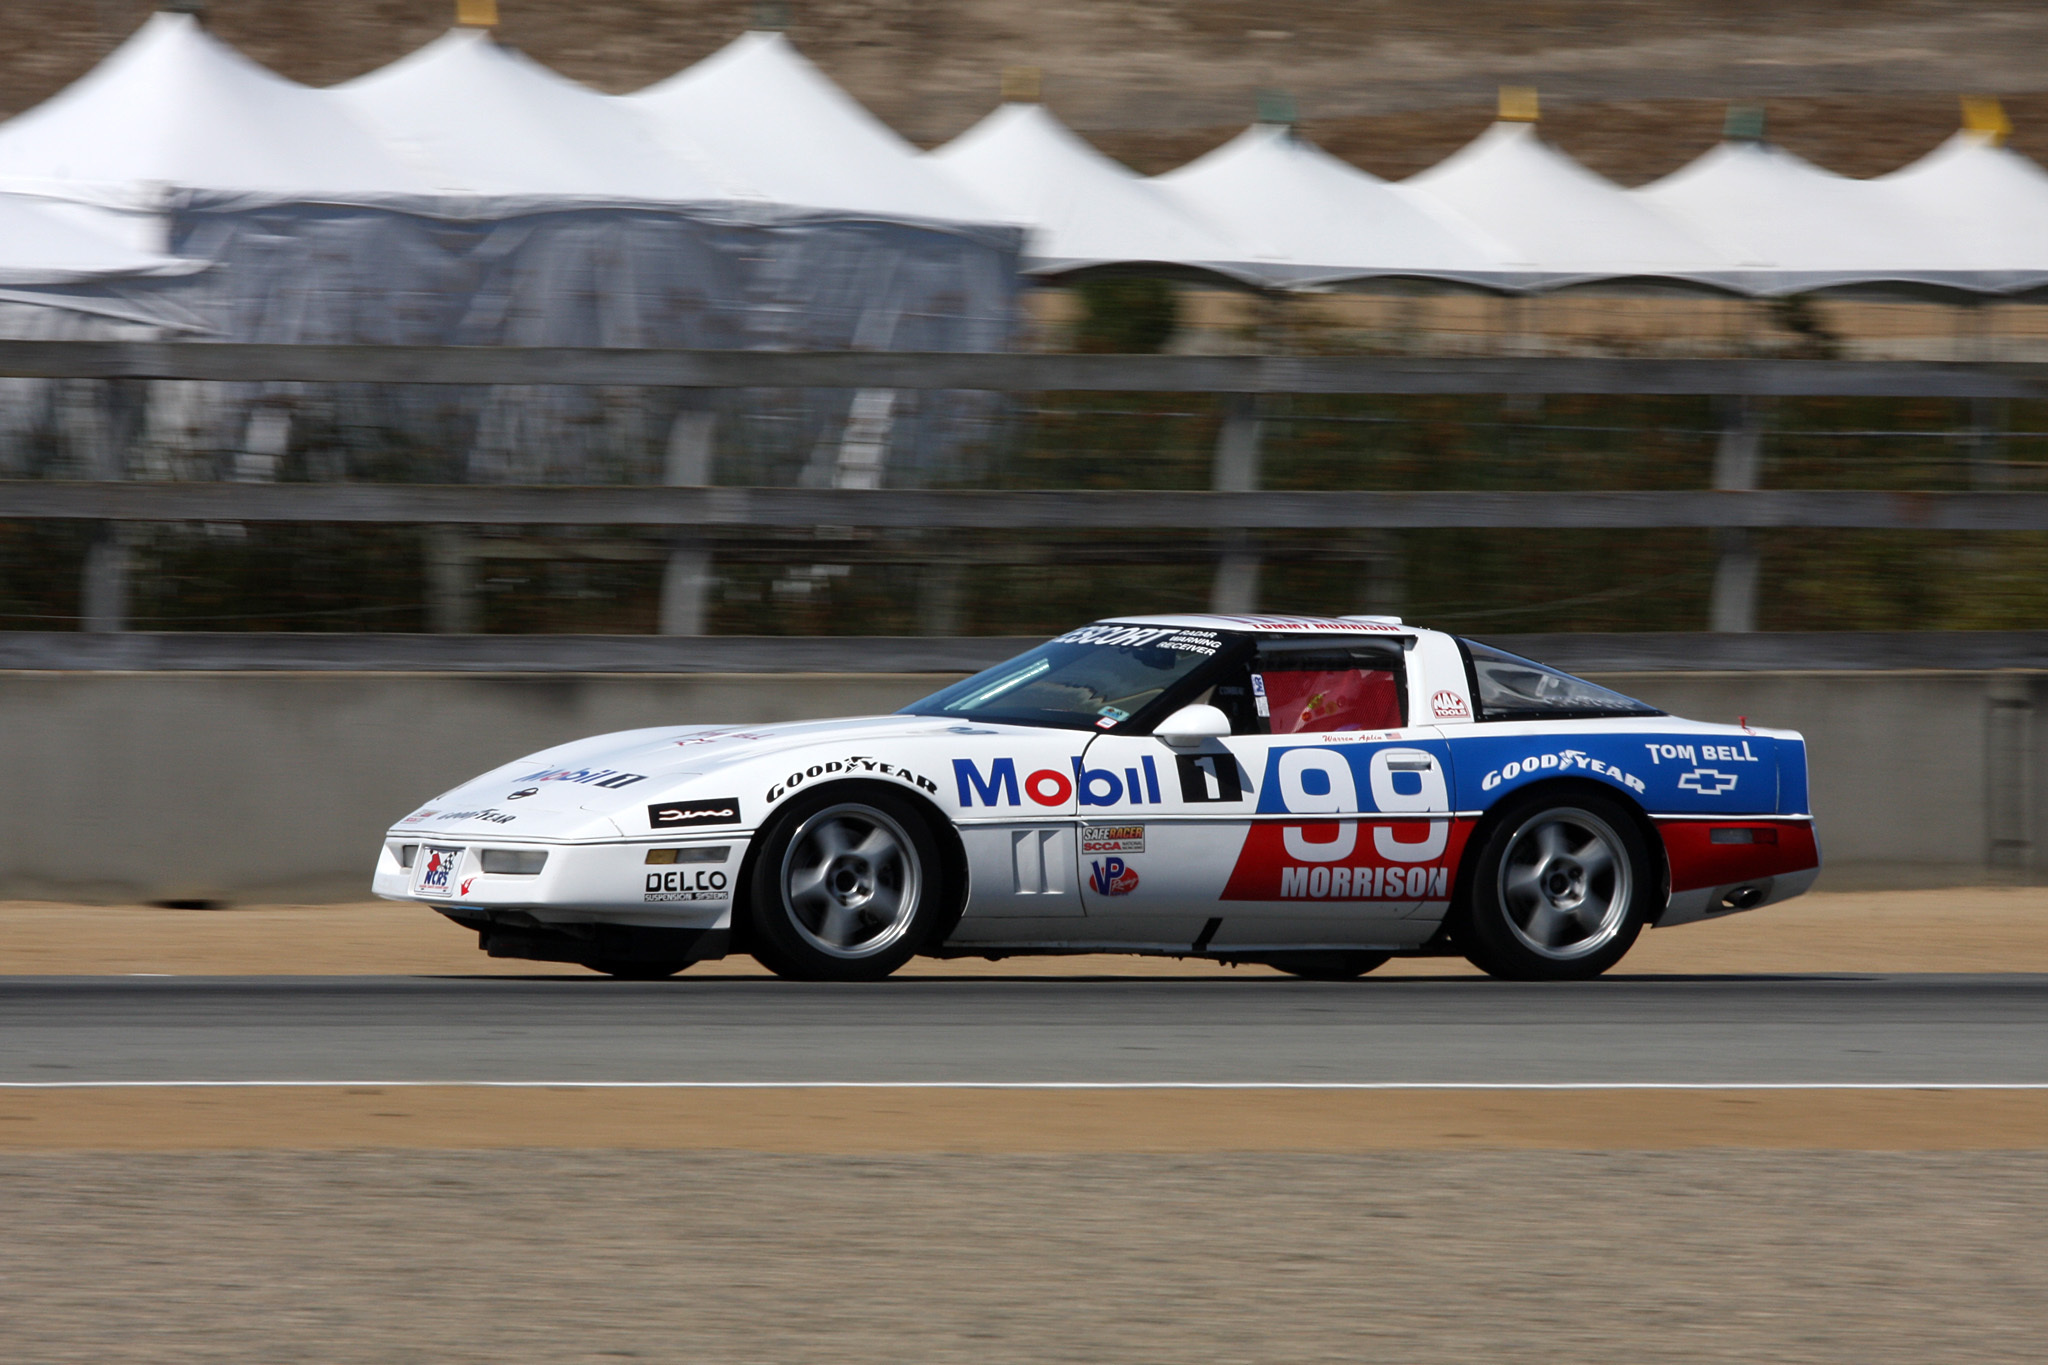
<point>600,788</point>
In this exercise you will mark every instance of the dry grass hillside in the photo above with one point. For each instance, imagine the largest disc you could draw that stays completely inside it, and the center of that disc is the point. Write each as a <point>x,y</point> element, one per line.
<point>1634,87</point>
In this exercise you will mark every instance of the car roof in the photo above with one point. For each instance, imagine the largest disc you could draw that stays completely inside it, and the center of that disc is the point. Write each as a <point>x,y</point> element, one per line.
<point>1273,624</point>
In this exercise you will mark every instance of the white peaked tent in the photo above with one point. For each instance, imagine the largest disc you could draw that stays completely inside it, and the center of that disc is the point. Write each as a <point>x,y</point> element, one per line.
<point>1309,219</point>
<point>1988,204</point>
<point>52,242</point>
<point>175,106</point>
<point>1082,208</point>
<point>489,120</point>
<point>1561,223</point>
<point>765,119</point>
<point>1783,225</point>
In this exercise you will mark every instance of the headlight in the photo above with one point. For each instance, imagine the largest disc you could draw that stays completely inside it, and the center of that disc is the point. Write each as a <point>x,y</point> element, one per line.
<point>513,862</point>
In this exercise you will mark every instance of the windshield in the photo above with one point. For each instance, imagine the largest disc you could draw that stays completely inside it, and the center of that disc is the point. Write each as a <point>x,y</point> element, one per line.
<point>1094,678</point>
<point>1513,688</point>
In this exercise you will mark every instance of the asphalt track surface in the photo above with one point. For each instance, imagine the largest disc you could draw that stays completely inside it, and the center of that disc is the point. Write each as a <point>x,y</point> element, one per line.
<point>1746,1030</point>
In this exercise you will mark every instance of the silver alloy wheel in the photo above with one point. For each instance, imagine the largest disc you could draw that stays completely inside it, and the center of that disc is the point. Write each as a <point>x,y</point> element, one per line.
<point>850,881</point>
<point>1565,883</point>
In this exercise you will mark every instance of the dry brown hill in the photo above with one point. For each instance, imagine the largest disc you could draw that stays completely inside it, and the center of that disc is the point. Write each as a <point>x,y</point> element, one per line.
<point>1633,86</point>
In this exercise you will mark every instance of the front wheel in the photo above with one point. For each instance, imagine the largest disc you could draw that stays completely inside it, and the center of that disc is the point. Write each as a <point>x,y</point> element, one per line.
<point>844,889</point>
<point>1560,890</point>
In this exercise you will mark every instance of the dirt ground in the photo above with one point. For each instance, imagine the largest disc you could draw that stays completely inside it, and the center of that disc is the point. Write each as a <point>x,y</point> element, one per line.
<point>1980,929</point>
<point>1506,1257</point>
<point>898,1120</point>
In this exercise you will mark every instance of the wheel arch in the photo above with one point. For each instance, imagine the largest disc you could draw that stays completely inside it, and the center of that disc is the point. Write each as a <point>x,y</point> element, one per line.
<point>1554,790</point>
<point>952,851</point>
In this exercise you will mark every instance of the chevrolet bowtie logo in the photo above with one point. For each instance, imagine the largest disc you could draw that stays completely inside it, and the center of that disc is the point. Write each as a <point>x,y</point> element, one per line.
<point>1706,781</point>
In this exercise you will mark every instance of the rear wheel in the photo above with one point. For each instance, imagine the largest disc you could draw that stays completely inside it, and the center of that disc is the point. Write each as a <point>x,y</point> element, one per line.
<point>843,888</point>
<point>1560,890</point>
<point>1326,966</point>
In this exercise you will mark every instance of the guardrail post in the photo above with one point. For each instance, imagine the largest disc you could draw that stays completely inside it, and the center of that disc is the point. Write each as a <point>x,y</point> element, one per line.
<point>104,578</point>
<point>686,578</point>
<point>1236,587</point>
<point>1987,424</point>
<point>1736,459</point>
<point>451,587</point>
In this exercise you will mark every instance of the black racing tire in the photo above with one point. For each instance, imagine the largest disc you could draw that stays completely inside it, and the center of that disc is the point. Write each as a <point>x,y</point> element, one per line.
<point>844,885</point>
<point>651,969</point>
<point>1327,966</point>
<point>1561,887</point>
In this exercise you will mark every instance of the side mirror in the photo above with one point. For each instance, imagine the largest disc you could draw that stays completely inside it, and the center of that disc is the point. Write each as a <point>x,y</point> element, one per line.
<point>1189,726</point>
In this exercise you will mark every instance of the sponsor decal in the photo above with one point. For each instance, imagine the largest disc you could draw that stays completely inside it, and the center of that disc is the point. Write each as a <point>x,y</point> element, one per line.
<point>416,817</point>
<point>523,793</point>
<point>1701,753</point>
<point>722,810</point>
<point>436,869</point>
<point>1209,777</point>
<point>1001,786</point>
<point>467,882</point>
<point>1112,877</point>
<point>1707,781</point>
<point>487,814</point>
<point>859,764</point>
<point>1450,706</point>
<point>1564,761</point>
<point>714,736</point>
<point>1315,624</point>
<point>1259,699</point>
<point>1404,861</point>
<point>595,777</point>
<point>1112,839</point>
<point>700,884</point>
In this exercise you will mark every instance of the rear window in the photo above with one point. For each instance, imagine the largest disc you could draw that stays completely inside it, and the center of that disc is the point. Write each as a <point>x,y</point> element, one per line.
<point>1513,688</point>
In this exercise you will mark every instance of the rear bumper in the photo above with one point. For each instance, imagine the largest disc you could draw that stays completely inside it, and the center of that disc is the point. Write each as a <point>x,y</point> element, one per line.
<point>1722,866</point>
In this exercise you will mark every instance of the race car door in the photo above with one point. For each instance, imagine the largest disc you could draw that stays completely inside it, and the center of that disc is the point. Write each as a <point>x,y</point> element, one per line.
<point>1320,730</point>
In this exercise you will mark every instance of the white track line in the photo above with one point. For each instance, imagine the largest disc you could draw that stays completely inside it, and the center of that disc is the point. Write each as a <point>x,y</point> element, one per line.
<point>1505,1086</point>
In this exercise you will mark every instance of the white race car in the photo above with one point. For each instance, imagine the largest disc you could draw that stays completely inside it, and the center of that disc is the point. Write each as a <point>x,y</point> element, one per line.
<point>1316,794</point>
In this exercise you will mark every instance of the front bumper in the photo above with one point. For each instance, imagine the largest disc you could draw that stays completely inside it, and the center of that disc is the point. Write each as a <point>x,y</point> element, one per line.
<point>671,883</point>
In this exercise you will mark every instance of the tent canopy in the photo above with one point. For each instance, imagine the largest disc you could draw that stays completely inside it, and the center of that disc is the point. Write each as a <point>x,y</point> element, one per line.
<point>175,106</point>
<point>1560,223</point>
<point>1309,219</point>
<point>1780,224</point>
<point>1988,204</point>
<point>489,120</point>
<point>769,123</point>
<point>1083,208</point>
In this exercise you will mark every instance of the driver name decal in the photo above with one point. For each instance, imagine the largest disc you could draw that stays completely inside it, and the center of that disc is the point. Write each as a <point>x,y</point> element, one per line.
<point>1405,861</point>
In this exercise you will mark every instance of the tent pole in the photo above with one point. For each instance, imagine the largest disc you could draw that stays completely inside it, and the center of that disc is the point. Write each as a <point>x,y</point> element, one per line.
<point>1733,606</point>
<point>1236,587</point>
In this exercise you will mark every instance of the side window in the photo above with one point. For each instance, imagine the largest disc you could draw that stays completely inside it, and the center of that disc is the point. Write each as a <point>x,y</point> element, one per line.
<point>1312,686</point>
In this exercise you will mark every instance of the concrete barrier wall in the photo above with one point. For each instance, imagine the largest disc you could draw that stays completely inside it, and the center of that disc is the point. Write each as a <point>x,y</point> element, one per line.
<point>251,786</point>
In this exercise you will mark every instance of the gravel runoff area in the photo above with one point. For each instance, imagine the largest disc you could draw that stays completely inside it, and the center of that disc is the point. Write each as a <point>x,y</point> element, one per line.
<point>1415,1257</point>
<point>1971,929</point>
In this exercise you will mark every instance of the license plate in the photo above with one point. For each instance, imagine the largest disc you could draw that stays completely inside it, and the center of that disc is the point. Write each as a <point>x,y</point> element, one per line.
<point>433,870</point>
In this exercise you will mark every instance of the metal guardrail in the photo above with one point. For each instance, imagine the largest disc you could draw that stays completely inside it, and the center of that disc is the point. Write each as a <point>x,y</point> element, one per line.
<point>1226,516</point>
<point>926,509</point>
<point>1015,373</point>
<point>197,651</point>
